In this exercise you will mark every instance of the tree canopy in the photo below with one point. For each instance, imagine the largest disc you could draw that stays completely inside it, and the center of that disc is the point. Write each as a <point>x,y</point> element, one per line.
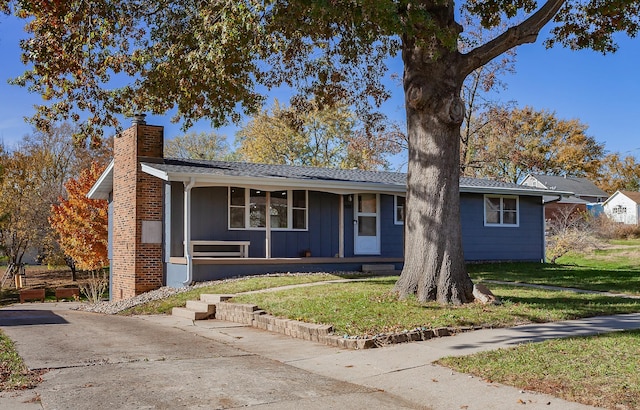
<point>516,142</point>
<point>202,145</point>
<point>81,223</point>
<point>208,60</point>
<point>32,178</point>
<point>216,60</point>
<point>329,136</point>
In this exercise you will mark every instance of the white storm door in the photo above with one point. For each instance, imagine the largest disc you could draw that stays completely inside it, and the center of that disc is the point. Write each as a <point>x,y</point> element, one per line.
<point>367,224</point>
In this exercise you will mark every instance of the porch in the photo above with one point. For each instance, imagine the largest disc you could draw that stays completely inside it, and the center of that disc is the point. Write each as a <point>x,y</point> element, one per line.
<point>204,269</point>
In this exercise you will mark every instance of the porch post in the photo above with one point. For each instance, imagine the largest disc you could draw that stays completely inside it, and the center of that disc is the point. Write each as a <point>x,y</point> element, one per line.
<point>267,239</point>
<point>341,228</point>
<point>187,230</point>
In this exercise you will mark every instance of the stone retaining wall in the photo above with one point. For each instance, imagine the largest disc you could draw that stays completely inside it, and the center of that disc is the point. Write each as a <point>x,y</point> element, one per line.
<point>252,315</point>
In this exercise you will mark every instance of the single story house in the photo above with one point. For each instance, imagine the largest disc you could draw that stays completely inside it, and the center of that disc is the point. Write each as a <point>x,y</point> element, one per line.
<point>173,221</point>
<point>624,207</point>
<point>586,195</point>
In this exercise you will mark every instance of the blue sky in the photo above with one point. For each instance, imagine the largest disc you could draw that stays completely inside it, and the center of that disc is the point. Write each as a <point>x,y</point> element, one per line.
<point>600,91</point>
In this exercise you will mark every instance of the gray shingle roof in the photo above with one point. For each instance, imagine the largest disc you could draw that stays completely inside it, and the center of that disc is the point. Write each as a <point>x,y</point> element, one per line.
<point>579,186</point>
<point>243,169</point>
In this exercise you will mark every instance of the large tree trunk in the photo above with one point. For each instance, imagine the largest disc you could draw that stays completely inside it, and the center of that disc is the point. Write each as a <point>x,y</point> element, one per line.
<point>434,267</point>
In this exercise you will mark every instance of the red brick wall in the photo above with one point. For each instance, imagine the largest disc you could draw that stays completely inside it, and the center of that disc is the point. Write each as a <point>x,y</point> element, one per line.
<point>136,266</point>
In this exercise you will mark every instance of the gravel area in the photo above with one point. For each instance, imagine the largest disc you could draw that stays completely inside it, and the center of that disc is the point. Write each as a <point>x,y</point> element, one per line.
<point>112,308</point>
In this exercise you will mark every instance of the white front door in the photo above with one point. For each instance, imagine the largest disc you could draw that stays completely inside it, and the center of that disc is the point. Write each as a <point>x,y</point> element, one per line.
<point>367,224</point>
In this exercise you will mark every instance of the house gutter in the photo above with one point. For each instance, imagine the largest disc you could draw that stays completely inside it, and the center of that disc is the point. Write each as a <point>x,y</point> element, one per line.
<point>187,230</point>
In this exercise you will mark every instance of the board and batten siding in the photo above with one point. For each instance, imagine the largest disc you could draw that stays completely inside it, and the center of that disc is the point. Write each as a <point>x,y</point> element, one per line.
<point>392,235</point>
<point>174,219</point>
<point>524,242</point>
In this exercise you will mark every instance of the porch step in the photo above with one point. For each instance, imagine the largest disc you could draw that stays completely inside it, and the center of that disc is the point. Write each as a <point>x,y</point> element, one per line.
<point>189,314</point>
<point>199,306</point>
<point>378,268</point>
<point>202,309</point>
<point>213,299</point>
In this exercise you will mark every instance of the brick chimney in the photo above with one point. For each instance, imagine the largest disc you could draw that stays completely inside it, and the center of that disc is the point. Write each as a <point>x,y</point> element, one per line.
<point>137,264</point>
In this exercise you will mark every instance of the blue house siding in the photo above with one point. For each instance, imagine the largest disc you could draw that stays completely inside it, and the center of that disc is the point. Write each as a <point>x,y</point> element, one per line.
<point>392,235</point>
<point>209,221</point>
<point>492,243</point>
<point>203,273</point>
<point>176,275</point>
<point>174,212</point>
<point>348,226</point>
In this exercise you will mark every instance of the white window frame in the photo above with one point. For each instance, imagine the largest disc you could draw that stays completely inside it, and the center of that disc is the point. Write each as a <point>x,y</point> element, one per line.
<point>395,209</point>
<point>244,207</point>
<point>619,210</point>
<point>247,209</point>
<point>501,223</point>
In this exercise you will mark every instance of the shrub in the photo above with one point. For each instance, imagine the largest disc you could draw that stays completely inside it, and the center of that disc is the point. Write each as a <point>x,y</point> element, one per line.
<point>569,230</point>
<point>607,228</point>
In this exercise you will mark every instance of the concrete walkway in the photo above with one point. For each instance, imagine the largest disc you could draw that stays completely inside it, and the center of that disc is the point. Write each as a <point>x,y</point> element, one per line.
<point>101,361</point>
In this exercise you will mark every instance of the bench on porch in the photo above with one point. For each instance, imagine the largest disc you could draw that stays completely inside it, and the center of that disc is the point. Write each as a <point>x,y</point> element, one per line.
<point>200,248</point>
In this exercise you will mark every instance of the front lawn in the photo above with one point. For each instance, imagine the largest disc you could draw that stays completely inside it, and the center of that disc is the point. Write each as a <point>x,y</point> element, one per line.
<point>368,307</point>
<point>614,268</point>
<point>601,371</point>
<point>229,286</point>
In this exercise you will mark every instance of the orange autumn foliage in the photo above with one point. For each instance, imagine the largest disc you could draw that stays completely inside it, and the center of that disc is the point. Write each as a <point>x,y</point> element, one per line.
<point>82,223</point>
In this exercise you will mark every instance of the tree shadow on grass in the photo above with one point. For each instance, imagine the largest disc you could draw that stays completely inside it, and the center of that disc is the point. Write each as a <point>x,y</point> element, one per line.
<point>624,280</point>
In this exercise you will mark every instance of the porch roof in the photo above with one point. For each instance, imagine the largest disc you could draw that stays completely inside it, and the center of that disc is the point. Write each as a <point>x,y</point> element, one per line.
<point>334,180</point>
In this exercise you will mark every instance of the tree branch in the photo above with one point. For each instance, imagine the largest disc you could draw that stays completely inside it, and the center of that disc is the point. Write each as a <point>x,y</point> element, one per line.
<point>525,32</point>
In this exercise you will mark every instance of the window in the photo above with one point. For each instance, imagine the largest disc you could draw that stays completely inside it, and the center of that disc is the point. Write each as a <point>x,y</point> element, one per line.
<point>257,208</point>
<point>399,207</point>
<point>619,210</point>
<point>279,209</point>
<point>501,210</point>
<point>299,209</point>
<point>237,208</point>
<point>287,209</point>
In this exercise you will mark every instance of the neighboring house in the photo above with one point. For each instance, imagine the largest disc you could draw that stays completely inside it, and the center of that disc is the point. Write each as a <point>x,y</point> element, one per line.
<point>624,207</point>
<point>173,222</point>
<point>586,195</point>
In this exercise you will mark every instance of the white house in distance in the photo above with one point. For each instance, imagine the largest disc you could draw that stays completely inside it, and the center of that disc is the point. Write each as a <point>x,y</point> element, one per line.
<point>624,207</point>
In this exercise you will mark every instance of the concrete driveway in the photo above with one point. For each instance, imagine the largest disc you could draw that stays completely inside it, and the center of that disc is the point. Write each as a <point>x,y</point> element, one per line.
<point>111,362</point>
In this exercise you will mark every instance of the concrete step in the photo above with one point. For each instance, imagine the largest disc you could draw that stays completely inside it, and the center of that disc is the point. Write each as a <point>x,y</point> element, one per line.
<point>189,314</point>
<point>214,298</point>
<point>199,306</point>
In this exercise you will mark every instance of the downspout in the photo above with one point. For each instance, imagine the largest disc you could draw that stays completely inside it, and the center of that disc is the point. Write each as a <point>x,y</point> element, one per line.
<point>187,231</point>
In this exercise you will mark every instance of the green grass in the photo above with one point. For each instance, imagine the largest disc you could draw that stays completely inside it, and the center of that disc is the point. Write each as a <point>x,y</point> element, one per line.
<point>233,286</point>
<point>601,371</point>
<point>368,308</point>
<point>575,271</point>
<point>13,373</point>
<point>625,242</point>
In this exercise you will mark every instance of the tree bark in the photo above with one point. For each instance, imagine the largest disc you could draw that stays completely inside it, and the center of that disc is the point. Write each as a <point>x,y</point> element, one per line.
<point>434,267</point>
